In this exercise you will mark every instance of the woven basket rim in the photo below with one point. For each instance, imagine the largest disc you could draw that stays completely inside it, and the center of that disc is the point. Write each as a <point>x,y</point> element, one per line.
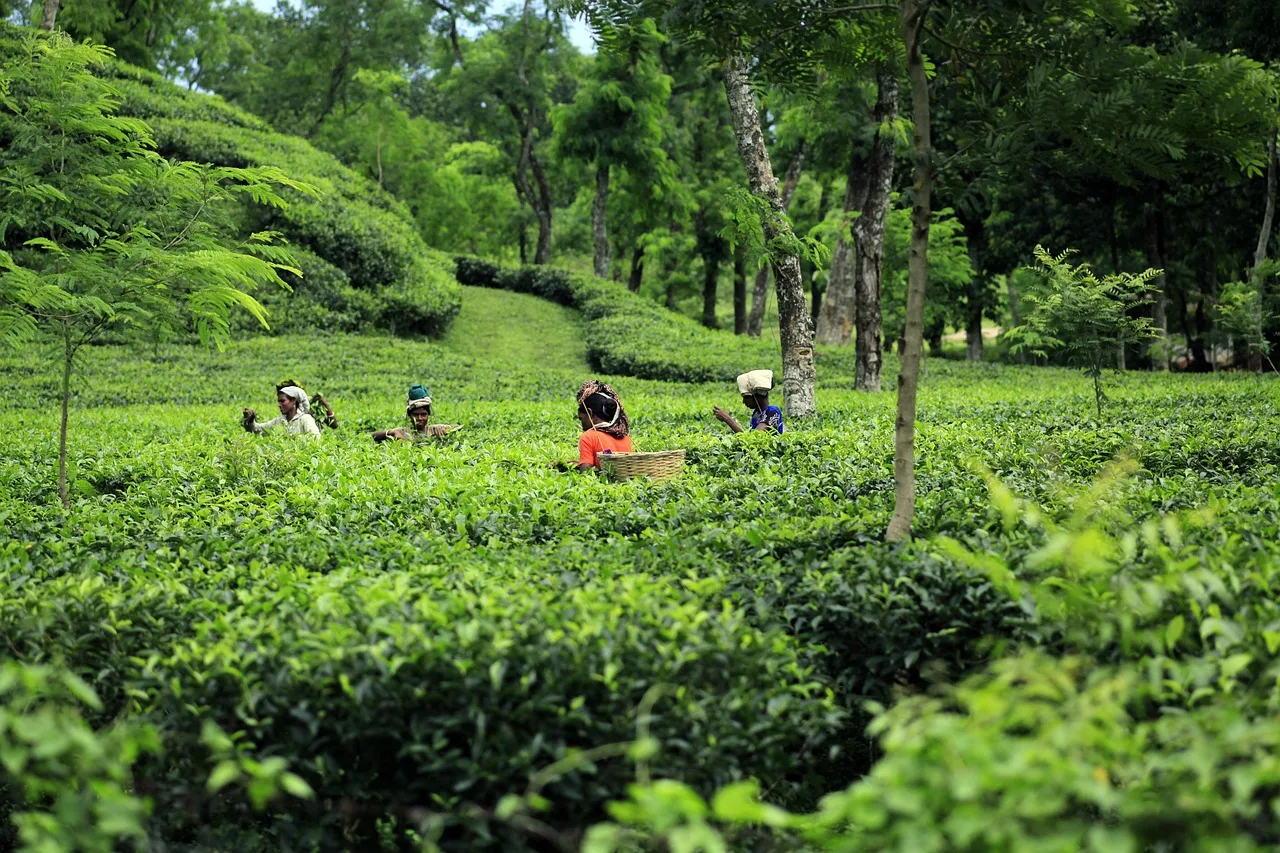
<point>651,454</point>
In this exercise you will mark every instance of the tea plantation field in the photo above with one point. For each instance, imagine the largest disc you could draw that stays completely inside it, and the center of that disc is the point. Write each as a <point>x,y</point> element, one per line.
<point>419,632</point>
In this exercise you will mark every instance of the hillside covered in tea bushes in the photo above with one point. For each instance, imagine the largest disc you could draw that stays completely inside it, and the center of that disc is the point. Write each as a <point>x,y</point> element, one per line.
<point>417,632</point>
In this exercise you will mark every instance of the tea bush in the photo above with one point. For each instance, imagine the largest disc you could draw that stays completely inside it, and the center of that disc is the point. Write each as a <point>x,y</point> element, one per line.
<point>352,225</point>
<point>421,630</point>
<point>627,334</point>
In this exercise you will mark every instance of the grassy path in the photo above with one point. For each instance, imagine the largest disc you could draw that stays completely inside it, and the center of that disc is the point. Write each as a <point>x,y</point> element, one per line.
<point>516,328</point>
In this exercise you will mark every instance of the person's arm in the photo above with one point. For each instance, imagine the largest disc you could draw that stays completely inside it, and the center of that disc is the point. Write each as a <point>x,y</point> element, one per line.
<point>330,419</point>
<point>252,425</point>
<point>588,447</point>
<point>388,434</point>
<point>727,419</point>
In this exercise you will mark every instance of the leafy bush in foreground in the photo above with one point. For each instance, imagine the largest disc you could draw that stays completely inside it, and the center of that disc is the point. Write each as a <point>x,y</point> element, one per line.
<point>283,589</point>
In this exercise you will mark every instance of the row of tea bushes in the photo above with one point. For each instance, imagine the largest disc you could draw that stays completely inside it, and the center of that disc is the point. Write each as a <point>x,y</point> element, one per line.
<point>354,226</point>
<point>627,334</point>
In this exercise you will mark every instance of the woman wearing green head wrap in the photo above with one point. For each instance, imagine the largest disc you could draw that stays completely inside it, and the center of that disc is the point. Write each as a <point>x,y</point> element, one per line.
<point>418,408</point>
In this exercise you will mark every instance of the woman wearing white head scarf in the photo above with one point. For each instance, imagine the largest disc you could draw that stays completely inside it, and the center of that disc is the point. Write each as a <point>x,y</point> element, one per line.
<point>295,414</point>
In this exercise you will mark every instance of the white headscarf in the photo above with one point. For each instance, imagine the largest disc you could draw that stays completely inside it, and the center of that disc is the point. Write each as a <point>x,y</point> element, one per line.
<point>755,380</point>
<point>298,396</point>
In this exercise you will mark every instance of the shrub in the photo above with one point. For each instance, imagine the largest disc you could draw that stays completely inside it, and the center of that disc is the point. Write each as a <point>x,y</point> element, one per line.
<point>353,225</point>
<point>626,333</point>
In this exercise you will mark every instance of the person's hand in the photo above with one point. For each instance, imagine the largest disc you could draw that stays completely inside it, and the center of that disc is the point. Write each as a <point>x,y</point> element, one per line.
<point>322,401</point>
<point>249,414</point>
<point>720,413</point>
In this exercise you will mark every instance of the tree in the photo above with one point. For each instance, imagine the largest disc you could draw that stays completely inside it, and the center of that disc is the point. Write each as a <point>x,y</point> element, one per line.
<point>616,121</point>
<point>503,87</point>
<point>50,15</point>
<point>1084,317</point>
<point>99,232</point>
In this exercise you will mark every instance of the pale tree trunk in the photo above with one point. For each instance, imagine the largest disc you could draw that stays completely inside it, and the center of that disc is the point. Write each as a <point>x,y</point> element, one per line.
<point>760,292</point>
<point>835,320</point>
<point>1160,307</point>
<point>68,355</point>
<point>904,446</point>
<point>868,233</point>
<point>1269,212</point>
<point>599,224</point>
<point>975,233</point>
<point>50,16</point>
<point>1014,316</point>
<point>1264,236</point>
<point>794,326</point>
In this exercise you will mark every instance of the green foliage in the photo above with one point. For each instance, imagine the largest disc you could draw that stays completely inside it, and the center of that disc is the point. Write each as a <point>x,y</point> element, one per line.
<point>350,223</point>
<point>63,785</point>
<point>1244,317</point>
<point>627,334</point>
<point>1082,316</point>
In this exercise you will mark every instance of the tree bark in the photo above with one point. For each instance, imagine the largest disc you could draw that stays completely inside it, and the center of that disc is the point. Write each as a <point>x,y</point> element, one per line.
<point>835,321</point>
<point>50,15</point>
<point>540,199</point>
<point>904,478</point>
<point>760,293</point>
<point>68,355</point>
<point>710,277</point>
<point>739,293</point>
<point>1269,212</point>
<point>1014,316</point>
<point>599,225</point>
<point>794,326</point>
<point>816,292</point>
<point>1160,307</point>
<point>868,233</point>
<point>975,234</point>
<point>637,269</point>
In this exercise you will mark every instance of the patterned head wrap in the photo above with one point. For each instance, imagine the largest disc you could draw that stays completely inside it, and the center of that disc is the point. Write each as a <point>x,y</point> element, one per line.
<point>618,426</point>
<point>298,396</point>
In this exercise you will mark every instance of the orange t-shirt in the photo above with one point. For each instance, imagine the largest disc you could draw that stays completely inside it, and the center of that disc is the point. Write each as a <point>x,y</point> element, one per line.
<point>594,442</point>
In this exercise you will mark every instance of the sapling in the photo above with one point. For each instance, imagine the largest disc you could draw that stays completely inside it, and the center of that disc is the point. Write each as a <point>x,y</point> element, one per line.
<point>100,233</point>
<point>1083,317</point>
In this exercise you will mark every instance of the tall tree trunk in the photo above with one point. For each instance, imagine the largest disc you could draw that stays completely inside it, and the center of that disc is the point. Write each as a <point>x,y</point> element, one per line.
<point>1269,212</point>
<point>1160,307</point>
<point>1015,316</point>
<point>637,269</point>
<point>975,234</point>
<point>868,233</point>
<point>50,15</point>
<point>904,446</point>
<point>710,277</point>
<point>817,291</point>
<point>739,293</point>
<point>542,255</point>
<point>835,321</point>
<point>599,227</point>
<point>794,327</point>
<point>68,355</point>
<point>760,293</point>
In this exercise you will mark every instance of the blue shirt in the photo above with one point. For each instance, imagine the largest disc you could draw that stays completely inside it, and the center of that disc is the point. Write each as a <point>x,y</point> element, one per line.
<point>770,417</point>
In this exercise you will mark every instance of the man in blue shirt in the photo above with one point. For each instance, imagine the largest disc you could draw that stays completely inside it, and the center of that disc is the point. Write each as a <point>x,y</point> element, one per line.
<point>754,387</point>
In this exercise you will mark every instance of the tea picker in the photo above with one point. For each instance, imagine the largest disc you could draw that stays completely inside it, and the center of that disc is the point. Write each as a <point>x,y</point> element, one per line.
<point>420,428</point>
<point>754,386</point>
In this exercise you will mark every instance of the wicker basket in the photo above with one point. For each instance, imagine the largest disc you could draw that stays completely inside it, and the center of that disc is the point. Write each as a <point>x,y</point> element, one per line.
<point>662,465</point>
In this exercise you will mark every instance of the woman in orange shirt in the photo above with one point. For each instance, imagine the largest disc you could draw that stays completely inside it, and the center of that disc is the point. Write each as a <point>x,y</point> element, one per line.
<point>604,424</point>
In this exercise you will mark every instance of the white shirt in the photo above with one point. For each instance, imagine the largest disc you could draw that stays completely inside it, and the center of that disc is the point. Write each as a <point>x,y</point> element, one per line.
<point>300,425</point>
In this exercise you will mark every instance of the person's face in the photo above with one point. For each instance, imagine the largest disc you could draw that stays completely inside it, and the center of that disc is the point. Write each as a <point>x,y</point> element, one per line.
<point>420,418</point>
<point>584,419</point>
<point>751,402</point>
<point>288,406</point>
